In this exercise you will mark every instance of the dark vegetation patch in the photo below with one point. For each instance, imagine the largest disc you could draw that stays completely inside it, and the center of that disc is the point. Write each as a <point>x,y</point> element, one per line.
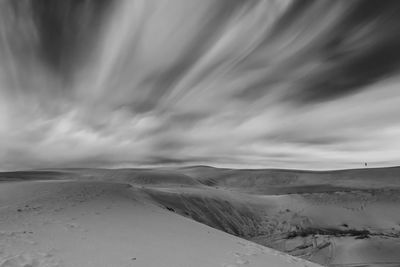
<point>170,209</point>
<point>359,234</point>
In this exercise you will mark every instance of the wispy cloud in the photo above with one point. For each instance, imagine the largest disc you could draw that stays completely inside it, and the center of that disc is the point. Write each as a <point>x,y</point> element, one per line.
<point>296,84</point>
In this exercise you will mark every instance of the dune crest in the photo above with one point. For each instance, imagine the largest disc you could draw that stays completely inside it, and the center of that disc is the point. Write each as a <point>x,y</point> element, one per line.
<point>94,223</point>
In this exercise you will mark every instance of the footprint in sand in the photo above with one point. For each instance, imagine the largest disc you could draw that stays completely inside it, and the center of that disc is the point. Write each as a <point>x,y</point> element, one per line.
<point>29,260</point>
<point>225,265</point>
<point>73,225</point>
<point>242,261</point>
<point>238,263</point>
<point>58,209</point>
<point>251,249</point>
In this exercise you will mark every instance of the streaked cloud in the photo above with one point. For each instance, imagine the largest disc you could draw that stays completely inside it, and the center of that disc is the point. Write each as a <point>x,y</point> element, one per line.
<point>266,83</point>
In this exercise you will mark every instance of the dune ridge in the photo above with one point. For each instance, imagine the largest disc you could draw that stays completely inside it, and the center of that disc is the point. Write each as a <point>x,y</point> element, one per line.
<point>67,223</point>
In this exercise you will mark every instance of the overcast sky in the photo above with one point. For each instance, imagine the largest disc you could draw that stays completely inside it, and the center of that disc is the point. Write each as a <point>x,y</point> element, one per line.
<point>288,84</point>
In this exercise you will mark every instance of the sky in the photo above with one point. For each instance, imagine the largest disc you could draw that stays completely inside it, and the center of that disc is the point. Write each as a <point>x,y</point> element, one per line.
<point>232,83</point>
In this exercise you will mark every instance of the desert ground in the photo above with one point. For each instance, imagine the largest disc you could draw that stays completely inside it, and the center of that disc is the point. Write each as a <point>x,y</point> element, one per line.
<point>199,216</point>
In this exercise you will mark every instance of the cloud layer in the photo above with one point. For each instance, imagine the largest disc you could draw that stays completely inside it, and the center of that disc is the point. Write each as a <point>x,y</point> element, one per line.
<point>266,83</point>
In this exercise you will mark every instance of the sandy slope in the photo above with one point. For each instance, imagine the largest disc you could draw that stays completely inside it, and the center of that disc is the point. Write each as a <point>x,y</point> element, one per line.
<point>342,218</point>
<point>82,224</point>
<point>276,181</point>
<point>354,228</point>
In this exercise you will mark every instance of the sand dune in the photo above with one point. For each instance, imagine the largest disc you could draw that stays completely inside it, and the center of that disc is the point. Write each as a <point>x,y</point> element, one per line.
<point>265,181</point>
<point>78,223</point>
<point>339,218</point>
<point>275,181</point>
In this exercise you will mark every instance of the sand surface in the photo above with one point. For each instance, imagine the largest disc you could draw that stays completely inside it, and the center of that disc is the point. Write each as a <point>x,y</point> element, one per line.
<point>94,223</point>
<point>337,218</point>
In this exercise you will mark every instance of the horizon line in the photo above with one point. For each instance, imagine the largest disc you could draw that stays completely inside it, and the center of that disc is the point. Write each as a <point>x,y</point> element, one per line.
<point>196,166</point>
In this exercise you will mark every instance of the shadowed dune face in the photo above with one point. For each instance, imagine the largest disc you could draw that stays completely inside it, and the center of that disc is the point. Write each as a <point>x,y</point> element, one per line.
<point>335,229</point>
<point>339,218</point>
<point>226,214</point>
